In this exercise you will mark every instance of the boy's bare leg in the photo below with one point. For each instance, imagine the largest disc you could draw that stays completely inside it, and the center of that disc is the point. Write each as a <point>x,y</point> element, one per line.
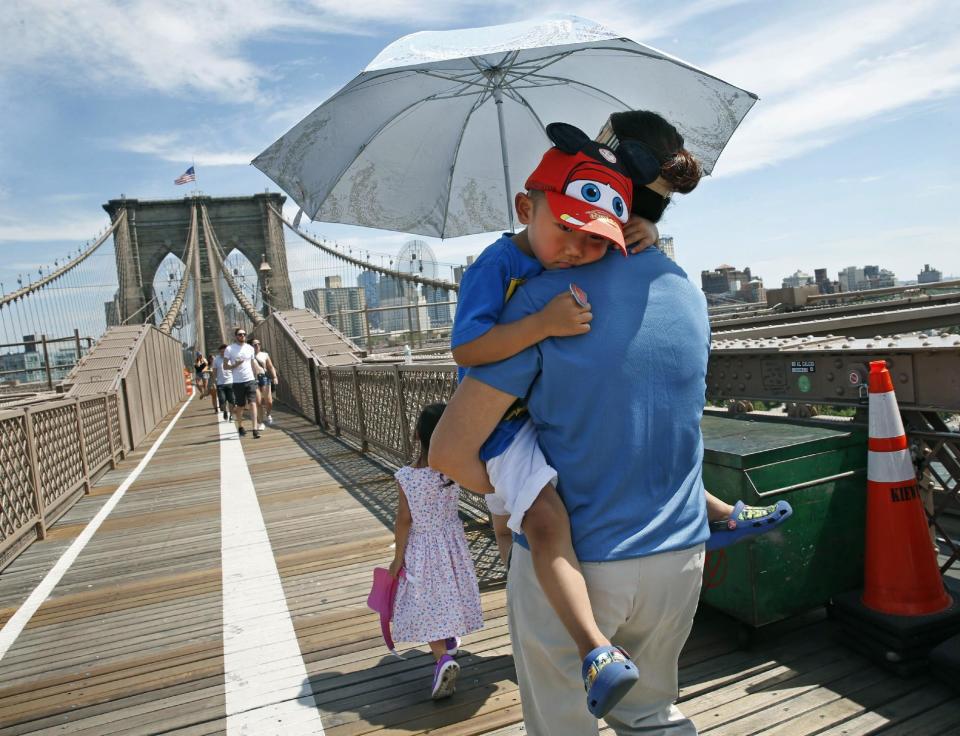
<point>503,535</point>
<point>547,527</point>
<point>717,510</point>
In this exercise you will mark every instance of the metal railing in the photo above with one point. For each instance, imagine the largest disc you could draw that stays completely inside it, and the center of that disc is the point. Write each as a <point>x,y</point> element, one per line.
<point>51,452</point>
<point>49,455</point>
<point>375,406</point>
<point>48,369</point>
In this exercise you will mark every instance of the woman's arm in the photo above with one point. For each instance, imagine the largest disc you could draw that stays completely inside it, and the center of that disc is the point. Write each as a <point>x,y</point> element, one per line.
<point>271,369</point>
<point>471,415</point>
<point>401,532</point>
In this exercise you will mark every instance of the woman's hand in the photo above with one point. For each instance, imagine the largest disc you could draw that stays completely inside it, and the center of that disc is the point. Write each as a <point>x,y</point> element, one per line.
<point>640,234</point>
<point>395,568</point>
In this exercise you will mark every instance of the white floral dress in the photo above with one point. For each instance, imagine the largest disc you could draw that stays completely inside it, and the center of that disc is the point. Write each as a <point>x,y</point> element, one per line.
<point>438,596</point>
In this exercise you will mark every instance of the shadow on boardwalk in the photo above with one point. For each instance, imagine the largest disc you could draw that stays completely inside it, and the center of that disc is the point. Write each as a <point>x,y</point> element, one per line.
<point>371,484</point>
<point>395,693</point>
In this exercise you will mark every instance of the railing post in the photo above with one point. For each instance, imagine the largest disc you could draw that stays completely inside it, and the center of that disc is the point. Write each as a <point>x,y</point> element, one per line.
<point>356,397</point>
<point>83,447</point>
<point>366,321</point>
<point>333,402</point>
<point>46,362</point>
<point>402,415</point>
<point>35,473</point>
<point>76,340</point>
<point>317,413</point>
<point>113,445</point>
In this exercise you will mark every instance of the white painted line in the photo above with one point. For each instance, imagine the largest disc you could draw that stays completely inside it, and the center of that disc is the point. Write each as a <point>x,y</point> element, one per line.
<point>265,678</point>
<point>14,626</point>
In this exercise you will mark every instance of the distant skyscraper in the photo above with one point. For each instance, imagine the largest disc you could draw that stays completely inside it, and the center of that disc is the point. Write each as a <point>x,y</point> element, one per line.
<point>869,277</point>
<point>798,278</point>
<point>332,304</point>
<point>666,245</point>
<point>333,282</point>
<point>929,275</point>
<point>369,281</point>
<point>440,315</point>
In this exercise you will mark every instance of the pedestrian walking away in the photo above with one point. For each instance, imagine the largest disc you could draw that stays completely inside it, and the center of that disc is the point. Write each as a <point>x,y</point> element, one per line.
<point>266,384</point>
<point>239,358</point>
<point>438,599</point>
<point>224,383</point>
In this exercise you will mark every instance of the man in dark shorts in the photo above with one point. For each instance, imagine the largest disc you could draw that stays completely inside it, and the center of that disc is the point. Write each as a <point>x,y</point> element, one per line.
<point>239,359</point>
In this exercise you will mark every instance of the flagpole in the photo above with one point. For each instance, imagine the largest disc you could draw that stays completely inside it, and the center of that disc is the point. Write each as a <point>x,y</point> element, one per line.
<point>196,182</point>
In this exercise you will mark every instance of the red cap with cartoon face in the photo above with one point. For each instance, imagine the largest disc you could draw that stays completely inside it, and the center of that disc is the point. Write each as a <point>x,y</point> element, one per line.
<point>589,190</point>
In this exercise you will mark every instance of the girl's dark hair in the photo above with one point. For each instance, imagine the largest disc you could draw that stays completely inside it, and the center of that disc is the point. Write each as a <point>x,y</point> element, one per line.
<point>427,422</point>
<point>678,166</point>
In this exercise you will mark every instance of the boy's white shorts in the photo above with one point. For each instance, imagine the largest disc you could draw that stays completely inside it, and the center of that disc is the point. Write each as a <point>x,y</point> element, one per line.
<point>518,474</point>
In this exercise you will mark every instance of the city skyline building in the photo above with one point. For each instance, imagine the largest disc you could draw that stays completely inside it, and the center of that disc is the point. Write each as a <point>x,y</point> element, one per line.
<point>797,278</point>
<point>331,304</point>
<point>666,245</point>
<point>929,275</point>
<point>369,281</point>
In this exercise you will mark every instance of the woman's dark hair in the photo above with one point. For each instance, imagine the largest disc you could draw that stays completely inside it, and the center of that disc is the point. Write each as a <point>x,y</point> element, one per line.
<point>678,166</point>
<point>427,422</point>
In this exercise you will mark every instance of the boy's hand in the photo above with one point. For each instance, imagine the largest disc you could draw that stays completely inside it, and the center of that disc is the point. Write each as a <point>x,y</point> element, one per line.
<point>395,567</point>
<point>640,234</point>
<point>563,317</point>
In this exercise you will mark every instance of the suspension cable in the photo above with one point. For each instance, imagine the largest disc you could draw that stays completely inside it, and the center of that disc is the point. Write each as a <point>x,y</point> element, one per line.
<point>177,304</point>
<point>40,283</point>
<point>212,239</point>
<point>366,265</point>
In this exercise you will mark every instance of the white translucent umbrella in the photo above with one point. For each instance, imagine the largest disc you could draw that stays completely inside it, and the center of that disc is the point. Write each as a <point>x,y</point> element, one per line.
<point>440,131</point>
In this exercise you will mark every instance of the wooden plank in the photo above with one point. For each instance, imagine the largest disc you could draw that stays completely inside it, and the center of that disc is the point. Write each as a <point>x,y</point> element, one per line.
<point>130,641</point>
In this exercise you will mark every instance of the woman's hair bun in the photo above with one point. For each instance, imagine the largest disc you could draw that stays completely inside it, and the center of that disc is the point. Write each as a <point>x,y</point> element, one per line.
<point>682,171</point>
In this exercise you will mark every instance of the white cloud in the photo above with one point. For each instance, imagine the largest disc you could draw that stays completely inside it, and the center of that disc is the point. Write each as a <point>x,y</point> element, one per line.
<point>780,57</point>
<point>176,147</point>
<point>819,83</point>
<point>172,47</point>
<point>69,227</point>
<point>823,113</point>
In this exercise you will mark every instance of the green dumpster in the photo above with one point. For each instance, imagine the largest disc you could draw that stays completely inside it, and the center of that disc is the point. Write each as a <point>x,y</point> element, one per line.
<point>818,551</point>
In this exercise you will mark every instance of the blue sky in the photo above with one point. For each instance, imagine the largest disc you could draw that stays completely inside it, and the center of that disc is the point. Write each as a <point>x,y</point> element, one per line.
<point>850,157</point>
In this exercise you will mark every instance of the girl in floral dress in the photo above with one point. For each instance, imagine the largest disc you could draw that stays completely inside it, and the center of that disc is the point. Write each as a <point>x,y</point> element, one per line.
<point>438,600</point>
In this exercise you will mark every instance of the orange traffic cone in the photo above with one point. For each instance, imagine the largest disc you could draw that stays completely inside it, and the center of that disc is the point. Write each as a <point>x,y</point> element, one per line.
<point>901,576</point>
<point>189,382</point>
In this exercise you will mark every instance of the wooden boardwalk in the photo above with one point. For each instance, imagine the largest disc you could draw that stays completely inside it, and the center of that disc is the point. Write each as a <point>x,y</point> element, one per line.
<point>131,640</point>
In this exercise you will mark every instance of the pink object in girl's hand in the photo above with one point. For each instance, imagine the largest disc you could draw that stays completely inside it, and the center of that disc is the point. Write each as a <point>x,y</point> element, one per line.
<point>381,598</point>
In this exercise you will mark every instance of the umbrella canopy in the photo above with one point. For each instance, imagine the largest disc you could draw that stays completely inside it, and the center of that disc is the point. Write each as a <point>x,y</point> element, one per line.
<point>440,131</point>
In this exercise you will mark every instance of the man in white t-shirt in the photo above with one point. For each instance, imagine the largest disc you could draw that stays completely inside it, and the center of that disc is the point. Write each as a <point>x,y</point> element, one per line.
<point>239,358</point>
<point>224,383</point>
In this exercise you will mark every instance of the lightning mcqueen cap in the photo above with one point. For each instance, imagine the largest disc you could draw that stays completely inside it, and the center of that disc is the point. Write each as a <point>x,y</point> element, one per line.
<point>588,189</point>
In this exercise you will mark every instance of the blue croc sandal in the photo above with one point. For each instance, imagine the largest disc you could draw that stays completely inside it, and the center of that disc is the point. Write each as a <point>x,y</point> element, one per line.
<point>747,521</point>
<point>607,674</point>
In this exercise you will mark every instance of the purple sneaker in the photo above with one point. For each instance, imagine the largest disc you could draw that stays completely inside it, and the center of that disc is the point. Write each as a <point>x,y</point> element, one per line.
<point>445,677</point>
<point>453,645</point>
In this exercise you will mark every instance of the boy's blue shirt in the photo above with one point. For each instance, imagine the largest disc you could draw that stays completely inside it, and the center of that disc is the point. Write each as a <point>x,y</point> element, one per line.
<point>486,288</point>
<point>618,409</point>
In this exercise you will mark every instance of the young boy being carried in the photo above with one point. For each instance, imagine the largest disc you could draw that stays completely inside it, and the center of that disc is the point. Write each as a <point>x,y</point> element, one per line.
<point>575,208</point>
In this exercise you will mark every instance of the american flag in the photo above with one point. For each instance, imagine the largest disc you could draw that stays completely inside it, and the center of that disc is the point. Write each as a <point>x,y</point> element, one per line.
<point>186,176</point>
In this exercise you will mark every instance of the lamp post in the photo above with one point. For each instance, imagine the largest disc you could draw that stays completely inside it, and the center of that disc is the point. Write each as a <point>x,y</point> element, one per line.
<point>265,273</point>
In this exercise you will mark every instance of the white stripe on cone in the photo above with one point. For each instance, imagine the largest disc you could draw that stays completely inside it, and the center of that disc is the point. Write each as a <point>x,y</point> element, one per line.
<point>890,467</point>
<point>884,418</point>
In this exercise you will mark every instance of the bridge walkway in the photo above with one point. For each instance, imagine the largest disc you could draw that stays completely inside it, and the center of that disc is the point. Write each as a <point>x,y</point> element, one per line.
<point>170,621</point>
